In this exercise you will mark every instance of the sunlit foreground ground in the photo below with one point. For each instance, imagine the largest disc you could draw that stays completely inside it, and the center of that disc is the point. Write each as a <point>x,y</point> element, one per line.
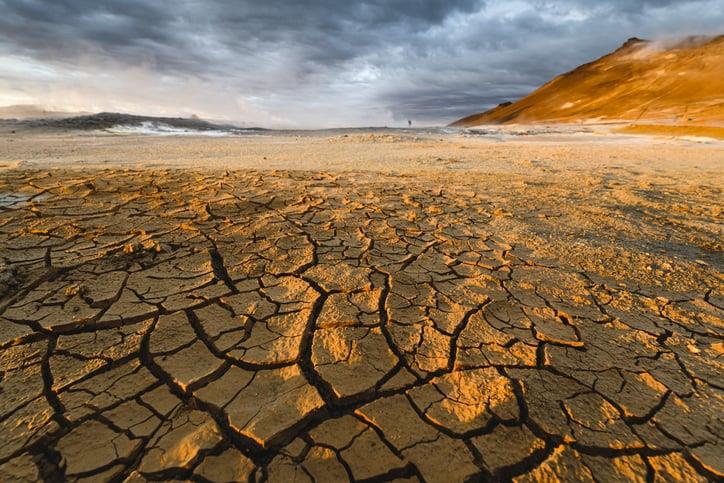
<point>359,307</point>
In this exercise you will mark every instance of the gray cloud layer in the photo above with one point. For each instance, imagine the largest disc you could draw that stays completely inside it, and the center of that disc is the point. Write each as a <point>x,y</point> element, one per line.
<point>315,62</point>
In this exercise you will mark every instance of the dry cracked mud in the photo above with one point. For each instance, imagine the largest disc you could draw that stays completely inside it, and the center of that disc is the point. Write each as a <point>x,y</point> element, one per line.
<point>305,326</point>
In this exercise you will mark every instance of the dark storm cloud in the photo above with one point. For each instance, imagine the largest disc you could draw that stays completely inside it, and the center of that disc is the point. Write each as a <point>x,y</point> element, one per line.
<point>306,61</point>
<point>170,30</point>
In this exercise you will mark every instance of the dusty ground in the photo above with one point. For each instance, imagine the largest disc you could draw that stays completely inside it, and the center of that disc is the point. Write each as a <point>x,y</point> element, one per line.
<point>405,307</point>
<point>673,130</point>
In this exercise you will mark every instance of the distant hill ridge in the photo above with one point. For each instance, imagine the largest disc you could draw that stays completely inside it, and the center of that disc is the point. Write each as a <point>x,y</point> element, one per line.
<point>677,83</point>
<point>109,120</point>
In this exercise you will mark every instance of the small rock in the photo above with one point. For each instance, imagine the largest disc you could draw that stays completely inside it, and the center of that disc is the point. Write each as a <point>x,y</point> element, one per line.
<point>693,349</point>
<point>74,290</point>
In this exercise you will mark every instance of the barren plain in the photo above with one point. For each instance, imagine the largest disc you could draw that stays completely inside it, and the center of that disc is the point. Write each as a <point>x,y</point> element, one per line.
<point>361,306</point>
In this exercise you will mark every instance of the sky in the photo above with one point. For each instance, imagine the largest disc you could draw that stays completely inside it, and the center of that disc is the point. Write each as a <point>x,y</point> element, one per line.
<point>315,63</point>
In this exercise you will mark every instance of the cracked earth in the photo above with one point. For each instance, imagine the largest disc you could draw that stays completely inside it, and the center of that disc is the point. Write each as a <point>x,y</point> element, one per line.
<point>298,326</point>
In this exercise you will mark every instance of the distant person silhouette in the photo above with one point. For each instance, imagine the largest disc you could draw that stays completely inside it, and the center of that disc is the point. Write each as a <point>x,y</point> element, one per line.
<point>409,123</point>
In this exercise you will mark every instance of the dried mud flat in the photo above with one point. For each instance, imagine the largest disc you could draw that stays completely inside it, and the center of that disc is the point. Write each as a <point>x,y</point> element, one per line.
<point>217,325</point>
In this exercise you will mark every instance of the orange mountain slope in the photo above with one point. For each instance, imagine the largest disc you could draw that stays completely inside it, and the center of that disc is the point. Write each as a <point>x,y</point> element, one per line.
<point>642,82</point>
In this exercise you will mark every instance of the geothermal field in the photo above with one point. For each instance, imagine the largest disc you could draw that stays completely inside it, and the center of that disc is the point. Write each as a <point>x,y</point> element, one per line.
<point>365,241</point>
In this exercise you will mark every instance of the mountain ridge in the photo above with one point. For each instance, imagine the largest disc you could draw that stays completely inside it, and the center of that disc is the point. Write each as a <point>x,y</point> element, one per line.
<point>680,83</point>
<point>109,120</point>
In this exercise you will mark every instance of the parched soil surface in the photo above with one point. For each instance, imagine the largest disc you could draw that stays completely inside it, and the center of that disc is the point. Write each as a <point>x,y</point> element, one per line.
<point>297,326</point>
